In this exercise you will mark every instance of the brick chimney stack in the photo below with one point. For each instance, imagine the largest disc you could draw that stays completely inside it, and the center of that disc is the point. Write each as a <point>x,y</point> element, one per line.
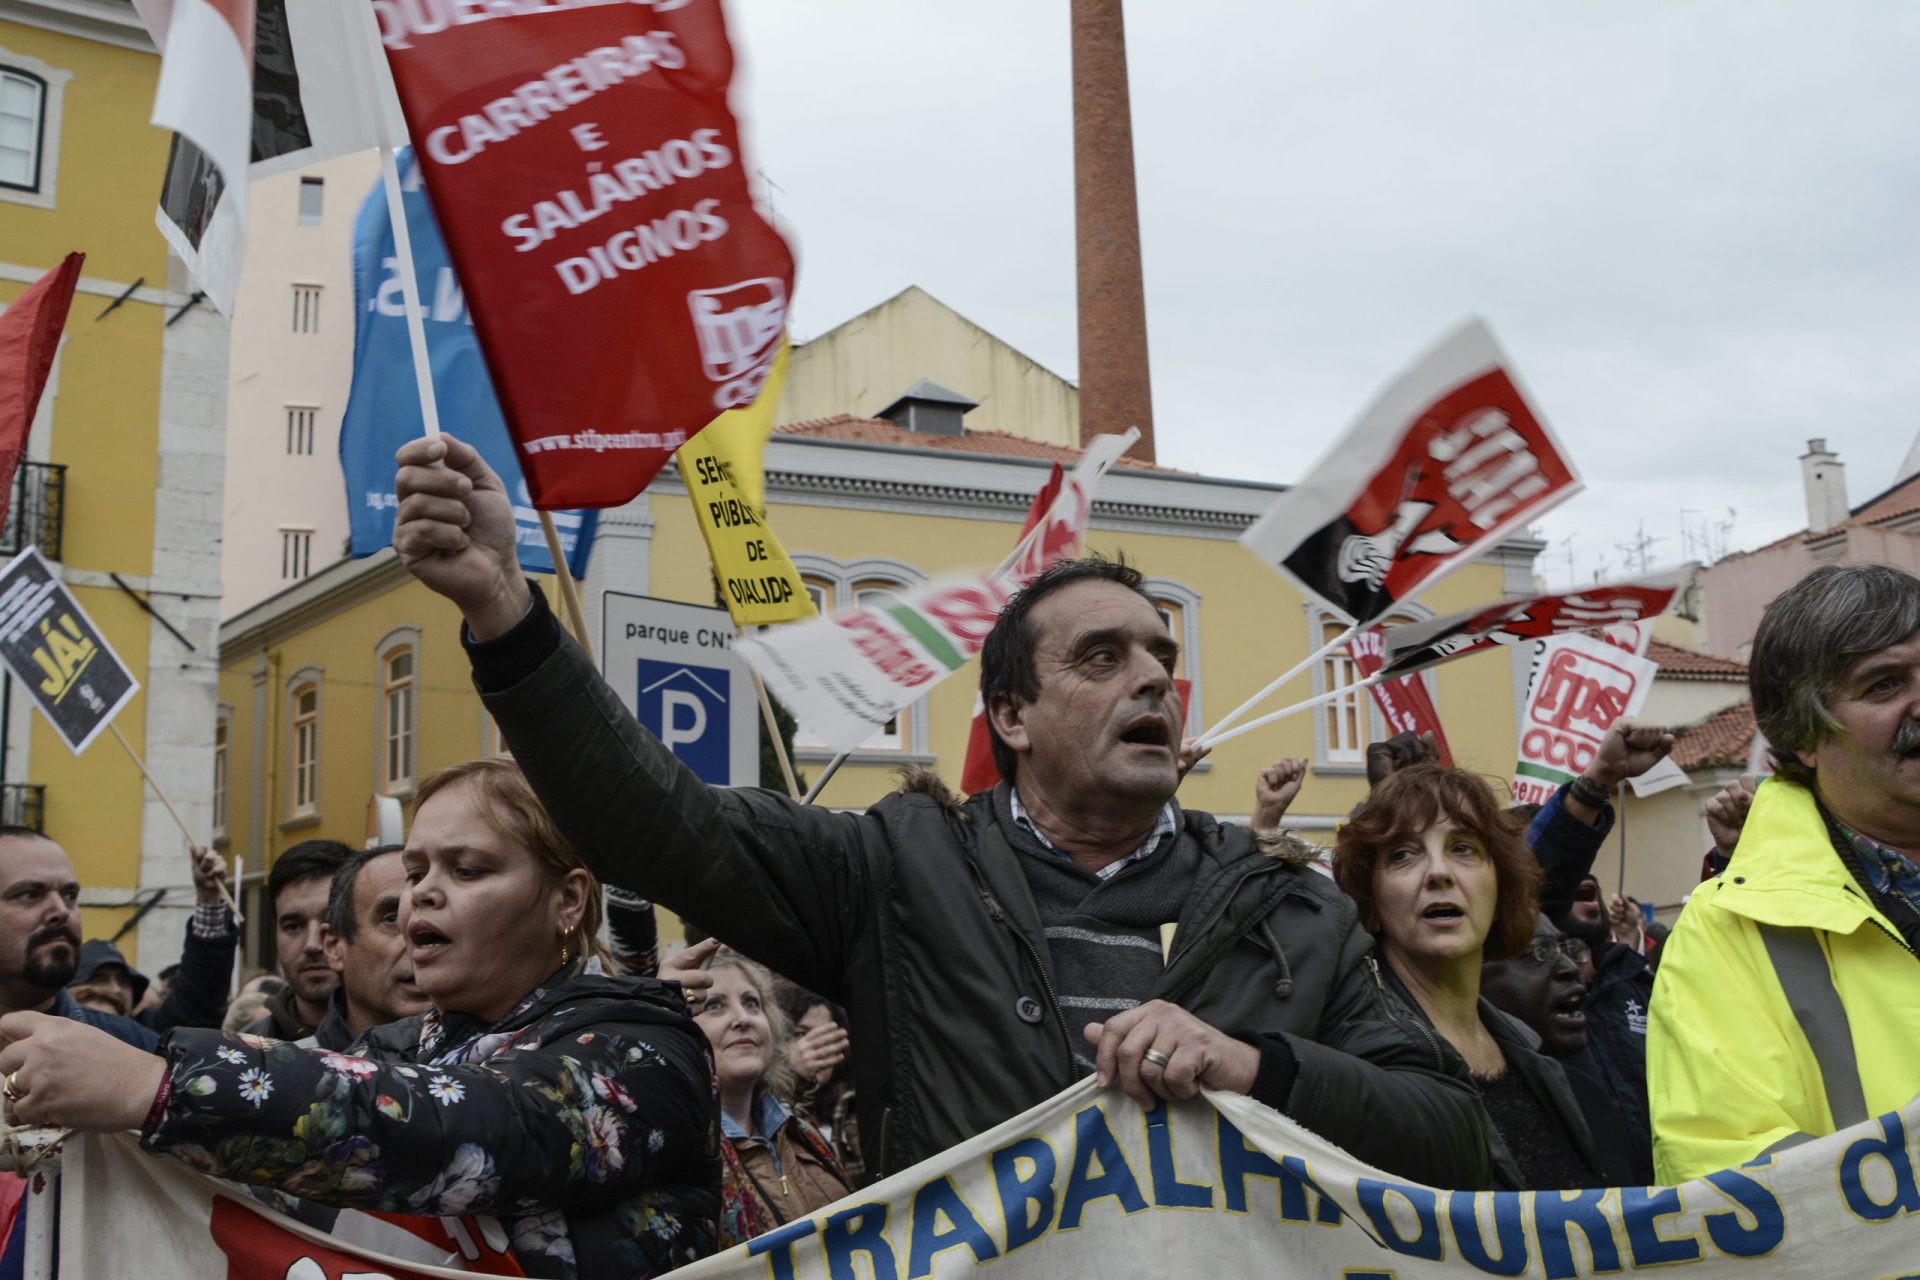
<point>1115,392</point>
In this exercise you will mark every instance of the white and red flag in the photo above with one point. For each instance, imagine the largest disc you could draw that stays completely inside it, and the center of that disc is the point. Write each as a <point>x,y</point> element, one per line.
<point>587,174</point>
<point>845,675</point>
<point>1419,645</point>
<point>1449,461</point>
<point>1405,704</point>
<point>30,330</point>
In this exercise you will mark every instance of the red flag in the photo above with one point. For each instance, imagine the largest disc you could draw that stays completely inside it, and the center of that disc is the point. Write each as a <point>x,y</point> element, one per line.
<point>979,772</point>
<point>588,177</point>
<point>1447,463</point>
<point>1419,645</point>
<point>29,337</point>
<point>1404,704</point>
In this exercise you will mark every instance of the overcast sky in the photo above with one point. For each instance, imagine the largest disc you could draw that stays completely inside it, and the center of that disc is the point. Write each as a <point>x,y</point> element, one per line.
<point>1692,223</point>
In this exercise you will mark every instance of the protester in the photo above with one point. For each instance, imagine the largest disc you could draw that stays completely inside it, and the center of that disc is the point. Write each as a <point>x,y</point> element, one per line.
<point>1566,835</point>
<point>1726,814</point>
<point>1274,790</point>
<point>248,1008</point>
<point>1787,1007</point>
<point>1039,905</point>
<point>823,1089</point>
<point>786,1167</point>
<point>367,948</point>
<point>103,976</point>
<point>1443,879</point>
<point>575,1106</point>
<point>297,890</point>
<point>1541,987</point>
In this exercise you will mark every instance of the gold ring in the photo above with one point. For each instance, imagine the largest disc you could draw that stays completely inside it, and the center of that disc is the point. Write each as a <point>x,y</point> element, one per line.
<point>12,1094</point>
<point>1156,1057</point>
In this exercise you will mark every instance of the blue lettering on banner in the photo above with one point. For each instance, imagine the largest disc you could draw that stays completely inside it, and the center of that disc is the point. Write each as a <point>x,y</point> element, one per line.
<point>1238,1162</point>
<point>1734,1237</point>
<point>1509,1228</point>
<point>859,1230</point>
<point>1373,1195</point>
<point>779,1242</point>
<point>685,706</point>
<point>1556,1214</point>
<point>1890,1149</point>
<point>383,404</point>
<point>1019,1194</point>
<point>1095,1145</point>
<point>1168,1191</point>
<point>933,1202</point>
<point>1640,1211</point>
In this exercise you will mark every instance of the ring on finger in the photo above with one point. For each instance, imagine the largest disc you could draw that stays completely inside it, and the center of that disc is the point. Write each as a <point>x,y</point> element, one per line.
<point>1156,1057</point>
<point>11,1092</point>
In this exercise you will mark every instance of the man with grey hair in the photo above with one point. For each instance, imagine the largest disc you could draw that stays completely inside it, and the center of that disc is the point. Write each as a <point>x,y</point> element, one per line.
<point>365,946</point>
<point>1788,1004</point>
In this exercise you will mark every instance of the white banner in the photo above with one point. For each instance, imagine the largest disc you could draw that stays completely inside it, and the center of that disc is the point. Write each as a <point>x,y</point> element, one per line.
<point>846,674</point>
<point>1086,1185</point>
<point>1579,686</point>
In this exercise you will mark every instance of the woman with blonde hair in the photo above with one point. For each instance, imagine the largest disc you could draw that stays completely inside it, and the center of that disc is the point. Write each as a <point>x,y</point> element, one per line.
<point>785,1168</point>
<point>574,1106</point>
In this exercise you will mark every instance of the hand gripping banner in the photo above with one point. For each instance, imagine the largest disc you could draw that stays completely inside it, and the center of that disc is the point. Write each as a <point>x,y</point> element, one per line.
<point>588,178</point>
<point>1448,462</point>
<point>1088,1185</point>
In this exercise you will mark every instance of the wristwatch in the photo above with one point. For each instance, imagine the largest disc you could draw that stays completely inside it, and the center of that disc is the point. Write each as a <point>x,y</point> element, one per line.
<point>1589,792</point>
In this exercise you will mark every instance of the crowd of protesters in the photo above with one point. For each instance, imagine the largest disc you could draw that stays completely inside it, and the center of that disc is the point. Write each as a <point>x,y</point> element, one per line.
<point>480,1021</point>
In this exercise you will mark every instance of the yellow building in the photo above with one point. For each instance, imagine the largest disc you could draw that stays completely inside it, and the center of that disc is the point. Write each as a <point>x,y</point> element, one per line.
<point>120,486</point>
<point>353,682</point>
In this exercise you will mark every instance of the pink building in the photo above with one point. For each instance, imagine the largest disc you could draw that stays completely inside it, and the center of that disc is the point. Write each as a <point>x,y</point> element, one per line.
<point>1884,530</point>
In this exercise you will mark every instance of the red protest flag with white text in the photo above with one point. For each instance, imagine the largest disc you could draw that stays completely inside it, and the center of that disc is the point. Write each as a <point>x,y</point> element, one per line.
<point>1424,644</point>
<point>979,772</point>
<point>1449,461</point>
<point>1404,703</point>
<point>587,174</point>
<point>29,338</point>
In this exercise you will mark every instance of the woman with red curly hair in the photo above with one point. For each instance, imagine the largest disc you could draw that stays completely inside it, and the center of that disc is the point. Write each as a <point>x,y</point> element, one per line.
<point>1445,882</point>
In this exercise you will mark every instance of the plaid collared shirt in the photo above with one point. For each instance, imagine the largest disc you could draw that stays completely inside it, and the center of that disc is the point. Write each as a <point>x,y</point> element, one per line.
<point>1163,827</point>
<point>1889,871</point>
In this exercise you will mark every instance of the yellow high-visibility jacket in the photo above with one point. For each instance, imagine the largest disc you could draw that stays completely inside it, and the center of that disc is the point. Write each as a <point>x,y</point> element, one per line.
<point>1787,1006</point>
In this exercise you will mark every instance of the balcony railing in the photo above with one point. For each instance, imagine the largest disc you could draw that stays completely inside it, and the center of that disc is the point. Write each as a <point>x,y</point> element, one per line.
<point>36,510</point>
<point>24,804</point>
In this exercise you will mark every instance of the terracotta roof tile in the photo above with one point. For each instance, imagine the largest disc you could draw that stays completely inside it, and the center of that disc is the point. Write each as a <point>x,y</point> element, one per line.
<point>1723,738</point>
<point>844,426</point>
<point>1689,664</point>
<point>1902,499</point>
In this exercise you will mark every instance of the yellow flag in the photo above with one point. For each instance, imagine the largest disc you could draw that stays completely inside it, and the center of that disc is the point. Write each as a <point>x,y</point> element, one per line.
<point>722,468</point>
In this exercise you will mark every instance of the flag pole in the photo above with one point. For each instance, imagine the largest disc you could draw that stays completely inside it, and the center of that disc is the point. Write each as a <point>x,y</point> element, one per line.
<point>773,728</point>
<point>403,245</point>
<point>569,589</point>
<point>192,840</point>
<point>1284,712</point>
<point>1216,735</point>
<point>826,776</point>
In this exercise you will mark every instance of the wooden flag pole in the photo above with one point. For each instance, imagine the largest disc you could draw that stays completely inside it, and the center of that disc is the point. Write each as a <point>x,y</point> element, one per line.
<point>773,729</point>
<point>179,821</point>
<point>569,589</point>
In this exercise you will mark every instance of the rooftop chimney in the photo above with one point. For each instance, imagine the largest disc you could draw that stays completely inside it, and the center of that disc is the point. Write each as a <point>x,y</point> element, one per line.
<point>1115,392</point>
<point>929,409</point>
<point>1826,480</point>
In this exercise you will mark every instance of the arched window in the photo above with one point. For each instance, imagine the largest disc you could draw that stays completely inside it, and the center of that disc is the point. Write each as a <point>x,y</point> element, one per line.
<point>1179,608</point>
<point>397,711</point>
<point>303,773</point>
<point>836,585</point>
<point>1344,726</point>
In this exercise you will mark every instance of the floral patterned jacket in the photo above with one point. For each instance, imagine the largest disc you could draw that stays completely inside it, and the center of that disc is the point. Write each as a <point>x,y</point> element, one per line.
<point>584,1120</point>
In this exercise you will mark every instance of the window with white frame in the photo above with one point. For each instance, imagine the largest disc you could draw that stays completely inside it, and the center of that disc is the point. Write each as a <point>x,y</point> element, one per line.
<point>296,554</point>
<point>1179,607</point>
<point>313,201</point>
<point>23,126</point>
<point>306,308</point>
<point>397,718</point>
<point>300,418</point>
<point>220,775</point>
<point>833,585</point>
<point>303,781</point>
<point>1345,725</point>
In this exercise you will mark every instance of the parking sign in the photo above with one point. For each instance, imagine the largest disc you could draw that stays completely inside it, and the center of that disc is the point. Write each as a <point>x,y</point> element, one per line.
<point>674,666</point>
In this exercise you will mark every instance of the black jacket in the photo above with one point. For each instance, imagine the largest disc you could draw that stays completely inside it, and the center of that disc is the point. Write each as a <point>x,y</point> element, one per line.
<point>916,916</point>
<point>1543,1076</point>
<point>198,997</point>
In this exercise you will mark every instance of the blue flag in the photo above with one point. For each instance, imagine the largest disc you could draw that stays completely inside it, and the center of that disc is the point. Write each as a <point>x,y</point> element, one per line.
<point>383,408</point>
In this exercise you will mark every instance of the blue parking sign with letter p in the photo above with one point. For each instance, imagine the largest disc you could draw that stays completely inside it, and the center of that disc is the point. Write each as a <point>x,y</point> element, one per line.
<point>685,706</point>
